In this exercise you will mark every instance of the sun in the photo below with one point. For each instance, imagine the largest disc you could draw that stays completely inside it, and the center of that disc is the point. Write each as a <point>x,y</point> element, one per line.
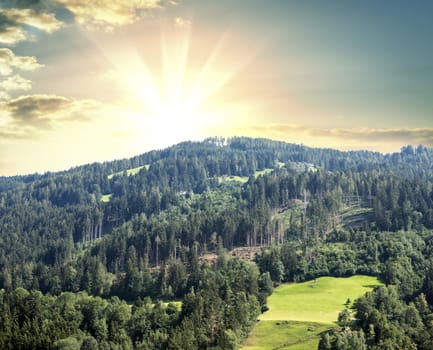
<point>175,95</point>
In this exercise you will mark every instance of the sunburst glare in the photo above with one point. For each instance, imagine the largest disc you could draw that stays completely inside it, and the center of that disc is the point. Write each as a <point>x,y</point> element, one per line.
<point>178,95</point>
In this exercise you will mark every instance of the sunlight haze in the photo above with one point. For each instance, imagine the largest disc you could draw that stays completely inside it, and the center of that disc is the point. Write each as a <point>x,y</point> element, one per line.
<point>83,82</point>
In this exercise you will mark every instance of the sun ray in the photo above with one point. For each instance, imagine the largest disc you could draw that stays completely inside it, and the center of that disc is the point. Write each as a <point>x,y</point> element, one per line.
<point>177,98</point>
<point>174,69</point>
<point>211,80</point>
<point>201,90</point>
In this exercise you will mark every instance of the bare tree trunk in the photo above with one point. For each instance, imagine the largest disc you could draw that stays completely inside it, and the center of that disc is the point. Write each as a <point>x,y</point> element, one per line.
<point>305,202</point>
<point>95,233</point>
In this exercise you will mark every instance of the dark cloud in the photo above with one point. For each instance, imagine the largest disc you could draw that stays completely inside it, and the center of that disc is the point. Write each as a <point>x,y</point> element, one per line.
<point>46,111</point>
<point>28,117</point>
<point>36,109</point>
<point>10,31</point>
<point>37,104</point>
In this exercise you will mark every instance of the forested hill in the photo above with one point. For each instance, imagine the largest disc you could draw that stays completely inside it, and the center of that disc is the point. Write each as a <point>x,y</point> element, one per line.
<point>143,227</point>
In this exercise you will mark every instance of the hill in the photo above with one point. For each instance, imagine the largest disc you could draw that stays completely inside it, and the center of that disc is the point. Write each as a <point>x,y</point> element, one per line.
<point>139,228</point>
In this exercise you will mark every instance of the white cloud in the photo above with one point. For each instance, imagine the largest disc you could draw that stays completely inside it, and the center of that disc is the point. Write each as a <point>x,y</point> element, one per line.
<point>9,61</point>
<point>107,15</point>
<point>182,22</point>
<point>12,22</point>
<point>11,34</point>
<point>15,83</point>
<point>4,95</point>
<point>45,22</point>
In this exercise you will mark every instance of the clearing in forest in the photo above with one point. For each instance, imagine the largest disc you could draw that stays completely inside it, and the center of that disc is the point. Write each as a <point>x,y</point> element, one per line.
<point>299,312</point>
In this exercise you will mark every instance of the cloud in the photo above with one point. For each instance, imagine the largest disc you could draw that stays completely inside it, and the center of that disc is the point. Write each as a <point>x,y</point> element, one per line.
<point>37,5</point>
<point>45,111</point>
<point>92,15</point>
<point>407,135</point>
<point>10,31</point>
<point>14,83</point>
<point>13,21</point>
<point>9,61</point>
<point>182,22</point>
<point>107,15</point>
<point>4,95</point>
<point>384,140</point>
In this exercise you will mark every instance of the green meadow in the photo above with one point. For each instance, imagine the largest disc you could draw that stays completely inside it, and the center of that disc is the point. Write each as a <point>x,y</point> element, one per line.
<point>290,335</point>
<point>106,198</point>
<point>299,312</point>
<point>130,172</point>
<point>243,179</point>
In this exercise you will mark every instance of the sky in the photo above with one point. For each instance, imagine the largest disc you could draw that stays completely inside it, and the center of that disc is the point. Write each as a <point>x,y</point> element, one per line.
<point>84,81</point>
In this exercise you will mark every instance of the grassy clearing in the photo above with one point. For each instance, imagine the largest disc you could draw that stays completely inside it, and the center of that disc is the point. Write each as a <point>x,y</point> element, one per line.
<point>263,172</point>
<point>319,300</point>
<point>176,303</point>
<point>299,312</point>
<point>290,335</point>
<point>243,179</point>
<point>130,172</point>
<point>106,198</point>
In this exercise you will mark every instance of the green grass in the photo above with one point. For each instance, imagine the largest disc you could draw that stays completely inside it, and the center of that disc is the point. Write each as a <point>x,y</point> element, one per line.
<point>243,179</point>
<point>263,172</point>
<point>290,335</point>
<point>106,198</point>
<point>299,312</point>
<point>130,172</point>
<point>176,303</point>
<point>319,300</point>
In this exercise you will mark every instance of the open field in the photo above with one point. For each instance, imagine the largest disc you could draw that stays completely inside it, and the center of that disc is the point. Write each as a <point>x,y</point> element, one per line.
<point>290,335</point>
<point>243,179</point>
<point>263,172</point>
<point>299,312</point>
<point>129,172</point>
<point>106,198</point>
<point>319,300</point>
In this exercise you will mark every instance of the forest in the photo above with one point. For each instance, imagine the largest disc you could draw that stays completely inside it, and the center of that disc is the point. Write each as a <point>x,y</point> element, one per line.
<point>137,253</point>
